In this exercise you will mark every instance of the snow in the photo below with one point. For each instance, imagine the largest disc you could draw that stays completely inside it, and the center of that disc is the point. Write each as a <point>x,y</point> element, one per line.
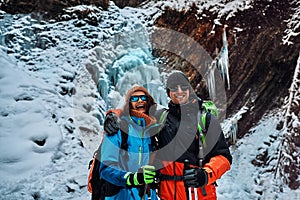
<point>293,25</point>
<point>293,88</point>
<point>244,181</point>
<point>52,110</point>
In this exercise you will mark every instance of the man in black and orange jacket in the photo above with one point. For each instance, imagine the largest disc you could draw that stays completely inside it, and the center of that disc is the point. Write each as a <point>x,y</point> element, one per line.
<point>180,140</point>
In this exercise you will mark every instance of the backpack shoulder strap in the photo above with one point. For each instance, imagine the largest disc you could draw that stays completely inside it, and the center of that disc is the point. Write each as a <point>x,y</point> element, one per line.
<point>124,147</point>
<point>161,115</point>
<point>97,153</point>
<point>206,120</point>
<point>203,124</point>
<point>124,137</point>
<point>203,121</point>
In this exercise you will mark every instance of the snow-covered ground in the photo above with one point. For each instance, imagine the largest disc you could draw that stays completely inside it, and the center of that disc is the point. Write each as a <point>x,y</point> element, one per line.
<point>52,111</point>
<point>244,180</point>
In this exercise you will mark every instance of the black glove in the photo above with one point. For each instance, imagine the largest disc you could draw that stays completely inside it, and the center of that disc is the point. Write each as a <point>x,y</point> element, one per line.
<point>111,123</point>
<point>195,177</point>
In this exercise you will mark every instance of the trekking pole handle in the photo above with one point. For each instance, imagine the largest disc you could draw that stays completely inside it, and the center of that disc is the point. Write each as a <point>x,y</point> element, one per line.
<point>186,166</point>
<point>201,155</point>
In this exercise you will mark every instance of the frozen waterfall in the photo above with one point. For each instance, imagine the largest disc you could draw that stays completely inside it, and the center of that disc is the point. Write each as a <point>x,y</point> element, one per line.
<point>123,61</point>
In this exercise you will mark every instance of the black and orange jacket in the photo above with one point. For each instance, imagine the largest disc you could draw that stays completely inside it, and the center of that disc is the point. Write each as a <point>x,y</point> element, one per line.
<point>179,141</point>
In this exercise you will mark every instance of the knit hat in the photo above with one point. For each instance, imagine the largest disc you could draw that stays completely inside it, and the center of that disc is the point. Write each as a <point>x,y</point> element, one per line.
<point>176,78</point>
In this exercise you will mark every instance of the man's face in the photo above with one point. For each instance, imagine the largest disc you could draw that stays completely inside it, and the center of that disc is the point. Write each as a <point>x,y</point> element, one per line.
<point>138,101</point>
<point>179,94</point>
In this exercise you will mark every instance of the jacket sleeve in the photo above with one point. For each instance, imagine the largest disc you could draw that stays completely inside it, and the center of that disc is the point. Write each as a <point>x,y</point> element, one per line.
<point>216,167</point>
<point>219,159</point>
<point>110,162</point>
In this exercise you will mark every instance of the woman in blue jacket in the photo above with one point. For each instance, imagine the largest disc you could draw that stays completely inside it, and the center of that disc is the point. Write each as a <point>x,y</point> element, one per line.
<point>129,172</point>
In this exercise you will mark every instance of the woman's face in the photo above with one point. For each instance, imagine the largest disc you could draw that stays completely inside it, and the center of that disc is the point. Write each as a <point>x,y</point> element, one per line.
<point>180,94</point>
<point>138,101</point>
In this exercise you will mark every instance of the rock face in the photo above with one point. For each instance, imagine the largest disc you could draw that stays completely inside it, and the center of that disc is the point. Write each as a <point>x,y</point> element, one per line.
<point>261,66</point>
<point>52,7</point>
<point>132,3</point>
<point>48,8</point>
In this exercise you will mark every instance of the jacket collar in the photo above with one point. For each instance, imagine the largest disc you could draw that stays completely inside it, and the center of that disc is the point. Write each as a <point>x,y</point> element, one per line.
<point>148,119</point>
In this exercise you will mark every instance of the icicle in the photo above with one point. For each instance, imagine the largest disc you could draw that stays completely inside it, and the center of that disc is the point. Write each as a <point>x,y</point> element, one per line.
<point>233,131</point>
<point>223,61</point>
<point>211,80</point>
<point>103,88</point>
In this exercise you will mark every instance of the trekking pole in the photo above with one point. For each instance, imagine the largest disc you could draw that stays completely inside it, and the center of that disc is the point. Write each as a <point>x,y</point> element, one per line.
<point>188,191</point>
<point>146,187</point>
<point>201,158</point>
<point>195,193</point>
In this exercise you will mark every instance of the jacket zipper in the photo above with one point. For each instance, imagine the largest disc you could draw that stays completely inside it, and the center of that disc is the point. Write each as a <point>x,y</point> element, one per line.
<point>140,155</point>
<point>141,149</point>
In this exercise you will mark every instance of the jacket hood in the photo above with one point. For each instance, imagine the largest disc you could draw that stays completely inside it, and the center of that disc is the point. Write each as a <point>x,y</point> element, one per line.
<point>151,104</point>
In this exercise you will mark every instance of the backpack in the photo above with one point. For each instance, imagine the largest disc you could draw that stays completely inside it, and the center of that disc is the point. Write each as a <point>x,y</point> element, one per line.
<point>204,120</point>
<point>209,106</point>
<point>97,186</point>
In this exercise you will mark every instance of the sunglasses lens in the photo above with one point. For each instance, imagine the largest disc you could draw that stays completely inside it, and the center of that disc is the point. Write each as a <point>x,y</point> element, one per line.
<point>184,87</point>
<point>175,88</point>
<point>143,98</point>
<point>136,98</point>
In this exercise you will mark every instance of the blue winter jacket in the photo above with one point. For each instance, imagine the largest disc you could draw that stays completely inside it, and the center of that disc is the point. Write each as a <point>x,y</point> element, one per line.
<point>113,165</point>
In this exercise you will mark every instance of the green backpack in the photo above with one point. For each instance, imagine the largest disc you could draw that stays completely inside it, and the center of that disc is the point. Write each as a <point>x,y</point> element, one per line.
<point>209,109</point>
<point>209,106</point>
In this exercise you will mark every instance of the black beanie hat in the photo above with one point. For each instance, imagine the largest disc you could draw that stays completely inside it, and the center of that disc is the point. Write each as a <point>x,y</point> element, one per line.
<point>176,78</point>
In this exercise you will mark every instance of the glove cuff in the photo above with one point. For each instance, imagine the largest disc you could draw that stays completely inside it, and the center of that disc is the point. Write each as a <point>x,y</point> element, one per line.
<point>129,180</point>
<point>137,178</point>
<point>204,177</point>
<point>134,179</point>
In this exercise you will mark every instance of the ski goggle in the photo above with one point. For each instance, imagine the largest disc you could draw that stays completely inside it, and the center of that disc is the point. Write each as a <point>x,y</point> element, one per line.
<point>175,88</point>
<point>136,98</point>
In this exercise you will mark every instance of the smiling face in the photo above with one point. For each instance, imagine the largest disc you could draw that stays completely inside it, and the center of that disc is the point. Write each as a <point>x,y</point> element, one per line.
<point>179,94</point>
<point>138,102</point>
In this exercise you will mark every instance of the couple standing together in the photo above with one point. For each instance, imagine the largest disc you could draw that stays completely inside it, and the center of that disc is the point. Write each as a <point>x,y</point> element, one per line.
<point>174,151</point>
